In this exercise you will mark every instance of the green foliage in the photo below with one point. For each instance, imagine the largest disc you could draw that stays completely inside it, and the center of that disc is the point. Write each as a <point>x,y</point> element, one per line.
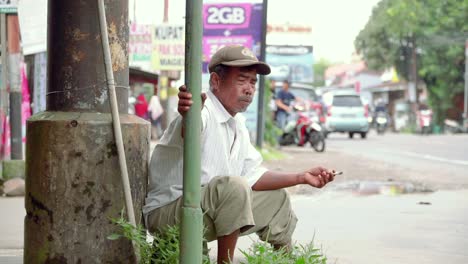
<point>270,153</point>
<point>165,248</point>
<point>319,72</point>
<point>436,30</point>
<point>272,132</point>
<point>409,129</point>
<point>135,234</point>
<point>262,252</point>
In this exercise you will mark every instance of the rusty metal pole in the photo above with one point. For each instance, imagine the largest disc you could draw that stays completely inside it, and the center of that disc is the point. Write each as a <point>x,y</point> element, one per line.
<point>14,58</point>
<point>3,82</point>
<point>73,183</point>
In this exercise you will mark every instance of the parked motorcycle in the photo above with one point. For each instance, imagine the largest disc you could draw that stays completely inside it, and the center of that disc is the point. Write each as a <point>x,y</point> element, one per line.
<point>424,118</point>
<point>454,127</point>
<point>303,127</point>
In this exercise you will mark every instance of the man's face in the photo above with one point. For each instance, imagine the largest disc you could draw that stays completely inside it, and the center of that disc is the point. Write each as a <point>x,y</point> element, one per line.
<point>285,86</point>
<point>236,90</point>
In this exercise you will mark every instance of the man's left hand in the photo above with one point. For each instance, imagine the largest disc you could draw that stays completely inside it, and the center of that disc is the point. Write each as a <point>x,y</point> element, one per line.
<point>318,177</point>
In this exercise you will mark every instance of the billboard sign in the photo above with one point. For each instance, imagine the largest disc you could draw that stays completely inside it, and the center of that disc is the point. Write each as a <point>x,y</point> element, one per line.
<point>140,46</point>
<point>292,63</point>
<point>32,16</point>
<point>8,6</point>
<point>233,23</point>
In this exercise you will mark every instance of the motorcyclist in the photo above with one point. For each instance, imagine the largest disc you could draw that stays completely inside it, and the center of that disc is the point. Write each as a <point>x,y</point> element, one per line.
<point>380,109</point>
<point>284,101</point>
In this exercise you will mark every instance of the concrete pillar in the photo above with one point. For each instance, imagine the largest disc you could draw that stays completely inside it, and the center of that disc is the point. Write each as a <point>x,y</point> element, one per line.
<point>73,182</point>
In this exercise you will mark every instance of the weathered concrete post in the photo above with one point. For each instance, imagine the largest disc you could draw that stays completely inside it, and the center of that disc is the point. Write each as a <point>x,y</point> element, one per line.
<point>73,182</point>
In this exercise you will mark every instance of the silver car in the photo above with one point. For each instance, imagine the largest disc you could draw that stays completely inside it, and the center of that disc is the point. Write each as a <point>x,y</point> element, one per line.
<point>345,113</point>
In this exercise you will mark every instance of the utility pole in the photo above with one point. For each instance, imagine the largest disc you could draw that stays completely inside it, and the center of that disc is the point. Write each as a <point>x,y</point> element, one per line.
<point>14,58</point>
<point>414,69</point>
<point>412,72</point>
<point>3,81</point>
<point>73,179</point>
<point>465,103</point>
<point>261,90</point>
<point>412,80</point>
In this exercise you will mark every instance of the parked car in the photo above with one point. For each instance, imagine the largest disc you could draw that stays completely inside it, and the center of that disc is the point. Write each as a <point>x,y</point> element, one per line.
<point>346,113</point>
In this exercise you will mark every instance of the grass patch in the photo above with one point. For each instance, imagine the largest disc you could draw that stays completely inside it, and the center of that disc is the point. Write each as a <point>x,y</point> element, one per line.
<point>262,252</point>
<point>269,153</point>
<point>165,248</point>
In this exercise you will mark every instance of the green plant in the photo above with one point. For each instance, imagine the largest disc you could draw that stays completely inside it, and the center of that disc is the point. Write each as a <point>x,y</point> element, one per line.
<point>426,35</point>
<point>135,234</point>
<point>163,249</point>
<point>270,153</point>
<point>263,252</point>
<point>271,132</point>
<point>408,129</point>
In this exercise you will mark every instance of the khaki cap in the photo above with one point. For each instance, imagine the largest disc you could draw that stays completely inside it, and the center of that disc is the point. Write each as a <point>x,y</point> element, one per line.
<point>238,56</point>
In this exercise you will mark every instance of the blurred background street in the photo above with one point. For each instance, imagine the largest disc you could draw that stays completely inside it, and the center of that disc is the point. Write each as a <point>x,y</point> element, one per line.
<point>402,199</point>
<point>433,162</point>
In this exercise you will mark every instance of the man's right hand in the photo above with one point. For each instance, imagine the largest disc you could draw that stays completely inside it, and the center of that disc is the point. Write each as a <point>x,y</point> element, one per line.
<point>185,100</point>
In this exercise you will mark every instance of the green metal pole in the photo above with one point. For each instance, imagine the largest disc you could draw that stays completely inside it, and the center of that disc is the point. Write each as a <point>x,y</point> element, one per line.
<point>192,219</point>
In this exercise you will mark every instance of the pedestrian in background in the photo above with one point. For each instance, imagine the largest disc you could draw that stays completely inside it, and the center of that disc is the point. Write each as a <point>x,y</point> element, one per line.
<point>155,111</point>
<point>272,103</point>
<point>141,106</point>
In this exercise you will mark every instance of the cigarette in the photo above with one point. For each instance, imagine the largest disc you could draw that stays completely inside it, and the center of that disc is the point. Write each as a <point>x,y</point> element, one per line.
<point>338,173</point>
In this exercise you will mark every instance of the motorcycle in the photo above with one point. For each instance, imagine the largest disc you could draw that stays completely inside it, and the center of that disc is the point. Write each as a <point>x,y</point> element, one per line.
<point>424,118</point>
<point>381,122</point>
<point>303,127</point>
<point>454,127</point>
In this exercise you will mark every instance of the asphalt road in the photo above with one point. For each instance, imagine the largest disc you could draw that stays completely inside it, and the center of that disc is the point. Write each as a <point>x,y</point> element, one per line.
<point>443,151</point>
<point>435,161</point>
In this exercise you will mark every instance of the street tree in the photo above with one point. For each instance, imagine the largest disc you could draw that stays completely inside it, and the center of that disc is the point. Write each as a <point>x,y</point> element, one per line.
<point>431,33</point>
<point>319,71</point>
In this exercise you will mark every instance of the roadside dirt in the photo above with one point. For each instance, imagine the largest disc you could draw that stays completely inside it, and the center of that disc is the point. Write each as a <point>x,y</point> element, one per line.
<point>357,169</point>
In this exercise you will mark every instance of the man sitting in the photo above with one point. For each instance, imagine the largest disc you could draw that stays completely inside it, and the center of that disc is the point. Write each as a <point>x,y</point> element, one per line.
<point>238,196</point>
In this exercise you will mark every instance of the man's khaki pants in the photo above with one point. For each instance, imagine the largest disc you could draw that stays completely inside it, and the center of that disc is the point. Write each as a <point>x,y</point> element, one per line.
<point>229,204</point>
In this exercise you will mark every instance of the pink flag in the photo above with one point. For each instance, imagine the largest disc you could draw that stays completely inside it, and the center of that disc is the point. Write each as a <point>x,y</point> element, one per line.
<point>26,102</point>
<point>4,137</point>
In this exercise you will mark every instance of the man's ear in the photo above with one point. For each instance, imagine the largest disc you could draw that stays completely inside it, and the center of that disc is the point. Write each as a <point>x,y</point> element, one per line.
<point>215,81</point>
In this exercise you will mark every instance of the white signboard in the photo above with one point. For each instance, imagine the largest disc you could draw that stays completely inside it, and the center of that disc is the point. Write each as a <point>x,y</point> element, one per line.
<point>169,47</point>
<point>8,6</point>
<point>40,79</point>
<point>32,16</point>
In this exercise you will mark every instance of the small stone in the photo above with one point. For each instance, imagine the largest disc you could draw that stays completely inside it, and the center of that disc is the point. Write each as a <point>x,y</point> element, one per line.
<point>425,203</point>
<point>14,187</point>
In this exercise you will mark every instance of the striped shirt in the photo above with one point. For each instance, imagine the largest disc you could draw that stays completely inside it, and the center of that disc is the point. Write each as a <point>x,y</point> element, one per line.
<point>226,151</point>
